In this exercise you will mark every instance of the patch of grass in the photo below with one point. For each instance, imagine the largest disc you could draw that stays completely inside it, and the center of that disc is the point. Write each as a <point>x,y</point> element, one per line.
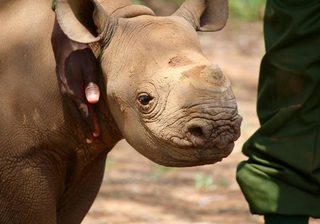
<point>158,171</point>
<point>110,163</point>
<point>223,182</point>
<point>178,2</point>
<point>138,2</point>
<point>203,182</point>
<point>162,169</point>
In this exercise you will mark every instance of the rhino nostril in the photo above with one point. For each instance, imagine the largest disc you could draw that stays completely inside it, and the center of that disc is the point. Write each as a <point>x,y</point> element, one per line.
<point>196,131</point>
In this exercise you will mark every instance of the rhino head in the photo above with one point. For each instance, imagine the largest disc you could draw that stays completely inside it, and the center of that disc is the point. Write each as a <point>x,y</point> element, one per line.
<point>169,102</point>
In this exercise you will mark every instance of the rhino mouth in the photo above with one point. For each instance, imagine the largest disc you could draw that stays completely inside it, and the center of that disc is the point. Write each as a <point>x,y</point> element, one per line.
<point>203,134</point>
<point>199,139</point>
<point>202,141</point>
<point>196,156</point>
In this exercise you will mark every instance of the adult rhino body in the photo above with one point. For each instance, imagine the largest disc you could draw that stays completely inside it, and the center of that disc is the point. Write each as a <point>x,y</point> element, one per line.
<point>162,95</point>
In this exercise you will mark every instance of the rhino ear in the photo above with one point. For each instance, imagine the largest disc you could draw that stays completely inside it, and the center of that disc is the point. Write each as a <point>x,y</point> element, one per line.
<point>131,11</point>
<point>81,20</point>
<point>205,15</point>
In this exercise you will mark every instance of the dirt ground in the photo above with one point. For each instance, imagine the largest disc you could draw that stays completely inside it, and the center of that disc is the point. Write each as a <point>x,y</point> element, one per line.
<point>137,191</point>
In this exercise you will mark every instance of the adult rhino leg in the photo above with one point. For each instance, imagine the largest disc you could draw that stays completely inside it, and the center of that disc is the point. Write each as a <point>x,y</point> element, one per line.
<point>80,192</point>
<point>26,193</point>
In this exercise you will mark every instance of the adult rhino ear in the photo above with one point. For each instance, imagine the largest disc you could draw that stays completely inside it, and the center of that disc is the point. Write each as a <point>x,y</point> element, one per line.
<point>205,15</point>
<point>81,20</point>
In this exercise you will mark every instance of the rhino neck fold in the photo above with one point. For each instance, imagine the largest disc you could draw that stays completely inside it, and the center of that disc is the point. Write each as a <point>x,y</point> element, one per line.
<point>110,134</point>
<point>108,33</point>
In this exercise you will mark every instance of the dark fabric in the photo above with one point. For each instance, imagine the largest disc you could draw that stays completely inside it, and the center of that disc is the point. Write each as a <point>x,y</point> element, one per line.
<point>282,173</point>
<point>283,219</point>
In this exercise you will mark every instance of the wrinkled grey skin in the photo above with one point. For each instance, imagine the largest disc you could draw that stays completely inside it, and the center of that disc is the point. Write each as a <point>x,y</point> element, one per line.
<point>48,174</point>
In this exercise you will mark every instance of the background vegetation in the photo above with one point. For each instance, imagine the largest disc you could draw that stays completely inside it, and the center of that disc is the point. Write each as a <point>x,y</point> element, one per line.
<point>248,10</point>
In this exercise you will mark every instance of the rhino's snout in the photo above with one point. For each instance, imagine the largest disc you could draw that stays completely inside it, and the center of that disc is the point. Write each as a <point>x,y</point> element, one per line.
<point>213,134</point>
<point>208,102</point>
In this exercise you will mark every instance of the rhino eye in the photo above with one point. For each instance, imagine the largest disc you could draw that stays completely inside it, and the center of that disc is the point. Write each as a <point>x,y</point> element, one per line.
<point>144,99</point>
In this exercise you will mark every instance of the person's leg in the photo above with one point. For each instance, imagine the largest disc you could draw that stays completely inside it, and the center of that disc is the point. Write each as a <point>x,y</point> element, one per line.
<point>282,175</point>
<point>285,219</point>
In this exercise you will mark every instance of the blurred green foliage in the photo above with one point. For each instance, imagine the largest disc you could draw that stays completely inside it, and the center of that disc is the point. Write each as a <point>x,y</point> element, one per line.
<point>110,164</point>
<point>249,10</point>
<point>158,171</point>
<point>137,2</point>
<point>203,182</point>
<point>178,2</point>
<point>223,182</point>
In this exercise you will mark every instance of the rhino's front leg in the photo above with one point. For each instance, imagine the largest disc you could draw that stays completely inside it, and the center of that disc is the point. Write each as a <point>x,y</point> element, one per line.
<point>80,190</point>
<point>27,192</point>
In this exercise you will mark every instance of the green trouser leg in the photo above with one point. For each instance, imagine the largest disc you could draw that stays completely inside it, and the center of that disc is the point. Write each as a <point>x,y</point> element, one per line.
<point>283,219</point>
<point>282,173</point>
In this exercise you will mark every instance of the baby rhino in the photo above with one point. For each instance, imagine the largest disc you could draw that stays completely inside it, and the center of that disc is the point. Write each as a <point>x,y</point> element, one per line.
<point>169,102</point>
<point>161,94</point>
